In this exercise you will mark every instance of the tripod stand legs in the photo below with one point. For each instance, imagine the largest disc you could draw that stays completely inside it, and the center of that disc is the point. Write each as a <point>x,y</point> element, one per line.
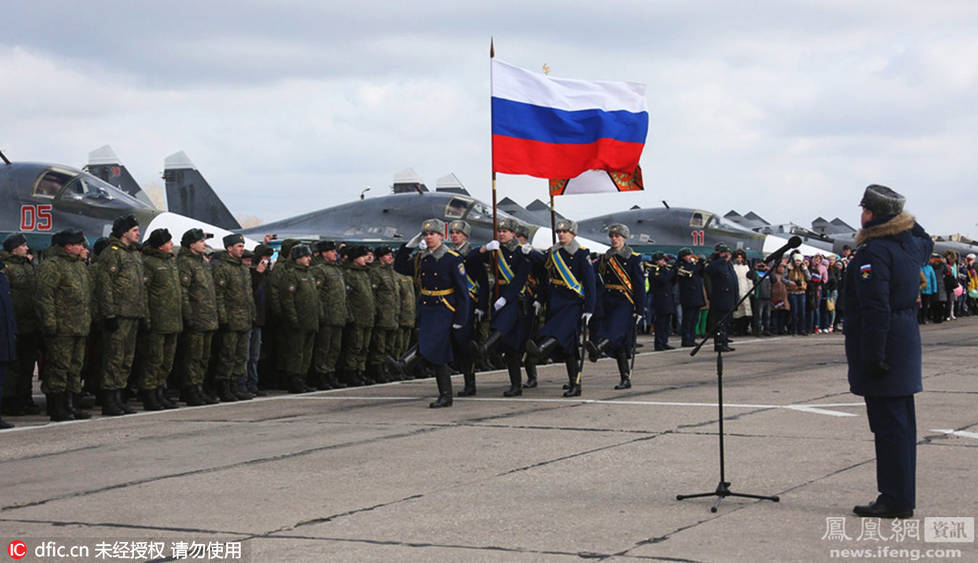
<point>723,490</point>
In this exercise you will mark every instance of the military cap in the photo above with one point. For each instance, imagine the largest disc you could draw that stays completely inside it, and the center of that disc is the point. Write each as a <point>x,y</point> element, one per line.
<point>325,246</point>
<point>461,226</point>
<point>721,247</point>
<point>247,254</point>
<point>66,237</point>
<point>433,225</point>
<point>299,251</point>
<point>619,229</point>
<point>881,200</point>
<point>100,244</point>
<point>740,252</point>
<point>684,252</point>
<point>263,250</point>
<point>508,225</point>
<point>192,236</point>
<point>122,224</point>
<point>658,256</point>
<point>382,251</point>
<point>232,240</point>
<point>357,251</point>
<point>522,230</point>
<point>566,225</point>
<point>158,238</point>
<point>13,241</point>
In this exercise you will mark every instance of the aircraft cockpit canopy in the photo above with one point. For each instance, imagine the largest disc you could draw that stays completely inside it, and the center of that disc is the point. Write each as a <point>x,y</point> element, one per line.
<point>64,185</point>
<point>456,207</point>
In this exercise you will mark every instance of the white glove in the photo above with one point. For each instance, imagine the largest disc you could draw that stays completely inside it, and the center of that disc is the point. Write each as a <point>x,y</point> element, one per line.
<point>479,313</point>
<point>499,304</point>
<point>422,245</point>
<point>413,243</point>
<point>537,307</point>
<point>492,245</point>
<point>456,327</point>
<point>527,248</point>
<point>586,317</point>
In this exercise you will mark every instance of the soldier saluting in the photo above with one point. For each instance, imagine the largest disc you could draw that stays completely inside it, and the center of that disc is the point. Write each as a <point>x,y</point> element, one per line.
<point>444,302</point>
<point>571,304</point>
<point>622,303</point>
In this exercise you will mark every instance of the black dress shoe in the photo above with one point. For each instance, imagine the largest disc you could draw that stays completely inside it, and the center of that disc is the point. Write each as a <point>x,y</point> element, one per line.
<point>531,382</point>
<point>879,509</point>
<point>5,425</point>
<point>573,391</point>
<point>513,391</point>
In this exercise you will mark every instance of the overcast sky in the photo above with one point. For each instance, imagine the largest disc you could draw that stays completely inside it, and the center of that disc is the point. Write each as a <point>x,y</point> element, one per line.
<point>788,109</point>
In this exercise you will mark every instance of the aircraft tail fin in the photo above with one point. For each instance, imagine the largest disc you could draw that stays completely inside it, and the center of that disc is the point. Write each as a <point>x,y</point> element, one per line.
<point>105,164</point>
<point>189,194</point>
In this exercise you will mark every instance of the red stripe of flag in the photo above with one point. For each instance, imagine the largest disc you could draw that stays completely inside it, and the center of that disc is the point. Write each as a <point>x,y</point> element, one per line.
<point>549,160</point>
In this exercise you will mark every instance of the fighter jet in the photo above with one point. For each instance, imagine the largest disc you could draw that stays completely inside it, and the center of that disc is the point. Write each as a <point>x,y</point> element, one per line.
<point>40,199</point>
<point>103,163</point>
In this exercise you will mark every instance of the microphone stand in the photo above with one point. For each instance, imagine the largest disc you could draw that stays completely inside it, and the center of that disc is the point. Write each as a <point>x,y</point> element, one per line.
<point>723,488</point>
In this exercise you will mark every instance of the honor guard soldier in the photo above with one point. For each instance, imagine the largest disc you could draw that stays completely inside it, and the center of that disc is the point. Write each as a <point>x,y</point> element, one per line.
<point>199,317</point>
<point>689,276</point>
<point>511,266</point>
<point>235,313</point>
<point>532,301</point>
<point>723,293</point>
<point>387,298</point>
<point>299,297</point>
<point>63,305</point>
<point>121,295</point>
<point>478,292</point>
<point>165,304</point>
<point>360,303</point>
<point>332,300</point>
<point>622,282</point>
<point>662,279</point>
<point>440,272</point>
<point>571,303</point>
<point>883,342</point>
<point>20,272</point>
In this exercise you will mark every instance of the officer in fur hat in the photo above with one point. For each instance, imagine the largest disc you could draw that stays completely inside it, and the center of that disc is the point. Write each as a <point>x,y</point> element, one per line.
<point>199,318</point>
<point>332,300</point>
<point>300,311</point>
<point>165,304</point>
<point>22,275</point>
<point>478,292</point>
<point>883,342</point>
<point>235,314</point>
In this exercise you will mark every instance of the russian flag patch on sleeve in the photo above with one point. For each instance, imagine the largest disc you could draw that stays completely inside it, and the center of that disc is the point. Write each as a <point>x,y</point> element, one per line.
<point>866,271</point>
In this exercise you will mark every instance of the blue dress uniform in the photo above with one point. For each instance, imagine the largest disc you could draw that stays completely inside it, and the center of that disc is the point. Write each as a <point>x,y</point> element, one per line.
<point>571,290</point>
<point>444,302</point>
<point>663,281</point>
<point>689,276</point>
<point>883,346</point>
<point>723,294</point>
<point>477,289</point>
<point>621,287</point>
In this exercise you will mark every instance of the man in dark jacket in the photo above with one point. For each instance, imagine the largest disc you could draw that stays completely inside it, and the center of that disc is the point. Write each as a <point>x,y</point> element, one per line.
<point>883,342</point>
<point>22,276</point>
<point>689,274</point>
<point>8,334</point>
<point>723,293</point>
<point>662,278</point>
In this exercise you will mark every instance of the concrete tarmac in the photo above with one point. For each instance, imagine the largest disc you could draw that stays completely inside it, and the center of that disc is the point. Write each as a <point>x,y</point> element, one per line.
<point>372,474</point>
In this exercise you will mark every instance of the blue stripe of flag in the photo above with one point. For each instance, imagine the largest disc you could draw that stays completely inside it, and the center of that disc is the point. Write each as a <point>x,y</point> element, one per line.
<point>550,125</point>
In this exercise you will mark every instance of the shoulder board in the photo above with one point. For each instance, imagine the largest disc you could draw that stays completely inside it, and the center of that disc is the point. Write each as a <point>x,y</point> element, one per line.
<point>114,247</point>
<point>452,252</point>
<point>584,248</point>
<point>635,253</point>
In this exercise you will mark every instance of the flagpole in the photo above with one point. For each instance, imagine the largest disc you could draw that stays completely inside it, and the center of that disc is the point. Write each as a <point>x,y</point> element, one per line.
<point>553,219</point>
<point>492,154</point>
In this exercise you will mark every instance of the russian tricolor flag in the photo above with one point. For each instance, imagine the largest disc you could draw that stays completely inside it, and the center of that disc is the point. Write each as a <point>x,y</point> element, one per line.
<point>559,128</point>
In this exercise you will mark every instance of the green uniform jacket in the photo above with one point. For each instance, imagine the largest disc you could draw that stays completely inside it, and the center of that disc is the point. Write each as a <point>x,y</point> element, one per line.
<point>119,282</point>
<point>409,301</point>
<point>299,296</point>
<point>235,302</point>
<point>23,282</point>
<point>199,300</point>
<point>64,293</point>
<point>359,295</point>
<point>332,292</point>
<point>274,277</point>
<point>165,297</point>
<point>387,298</point>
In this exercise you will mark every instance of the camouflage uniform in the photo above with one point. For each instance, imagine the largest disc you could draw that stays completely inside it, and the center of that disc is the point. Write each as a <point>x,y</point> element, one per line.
<point>276,342</point>
<point>165,303</point>
<point>199,319</point>
<point>332,300</point>
<point>299,298</point>
<point>408,314</point>
<point>121,295</point>
<point>62,303</point>
<point>387,303</point>
<point>235,312</point>
<point>360,303</point>
<point>23,282</point>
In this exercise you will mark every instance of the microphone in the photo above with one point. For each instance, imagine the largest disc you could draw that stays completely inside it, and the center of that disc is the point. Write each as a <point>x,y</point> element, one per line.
<point>793,242</point>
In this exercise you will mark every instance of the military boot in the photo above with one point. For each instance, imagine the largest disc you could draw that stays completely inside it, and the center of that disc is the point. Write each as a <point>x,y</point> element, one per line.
<point>444,380</point>
<point>30,407</point>
<point>121,402</point>
<point>109,405</point>
<point>163,400</point>
<point>207,397</point>
<point>595,350</point>
<point>224,392</point>
<point>573,387</point>
<point>623,371</point>
<point>13,406</point>
<point>295,384</point>
<point>542,350</point>
<point>150,402</point>
<point>515,375</point>
<point>405,363</point>
<point>531,375</point>
<point>320,381</point>
<point>350,379</point>
<point>73,403</point>
<point>192,396</point>
<point>58,408</point>
<point>490,344</point>
<point>469,389</point>
<point>376,373</point>
<point>240,393</point>
<point>334,381</point>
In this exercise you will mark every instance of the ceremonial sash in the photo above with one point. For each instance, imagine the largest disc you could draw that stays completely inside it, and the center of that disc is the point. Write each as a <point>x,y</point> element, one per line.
<point>623,276</point>
<point>566,276</point>
<point>473,287</point>
<point>502,266</point>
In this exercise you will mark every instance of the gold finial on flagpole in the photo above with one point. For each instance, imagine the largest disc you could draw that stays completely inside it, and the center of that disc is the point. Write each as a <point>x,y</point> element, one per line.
<point>546,69</point>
